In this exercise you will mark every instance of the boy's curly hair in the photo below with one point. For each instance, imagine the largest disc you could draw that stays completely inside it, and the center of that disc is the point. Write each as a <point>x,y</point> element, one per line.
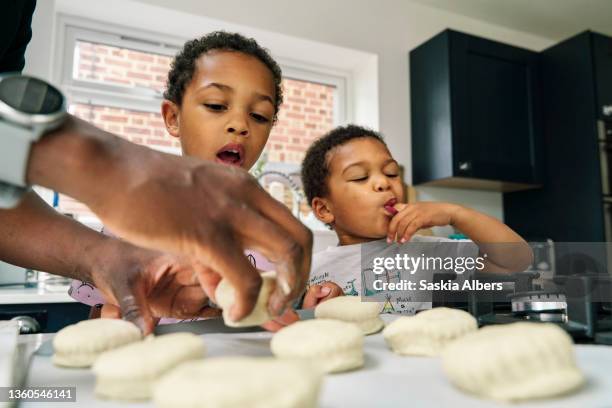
<point>183,65</point>
<point>315,166</point>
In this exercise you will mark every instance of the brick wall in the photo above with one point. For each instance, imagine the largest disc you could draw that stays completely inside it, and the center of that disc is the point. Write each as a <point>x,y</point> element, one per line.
<point>144,128</point>
<point>305,115</point>
<point>120,66</point>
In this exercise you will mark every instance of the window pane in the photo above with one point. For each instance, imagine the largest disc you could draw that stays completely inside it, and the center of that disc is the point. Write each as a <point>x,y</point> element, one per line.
<point>307,113</point>
<point>144,128</point>
<point>120,66</point>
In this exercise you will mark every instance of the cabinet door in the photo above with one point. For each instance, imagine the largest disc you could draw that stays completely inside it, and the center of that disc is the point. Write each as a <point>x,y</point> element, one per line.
<point>495,110</point>
<point>602,47</point>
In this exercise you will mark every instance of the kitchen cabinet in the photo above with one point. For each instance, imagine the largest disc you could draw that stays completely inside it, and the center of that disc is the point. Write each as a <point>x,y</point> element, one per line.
<point>52,310</point>
<point>576,88</point>
<point>475,114</point>
<point>51,317</point>
<point>602,60</point>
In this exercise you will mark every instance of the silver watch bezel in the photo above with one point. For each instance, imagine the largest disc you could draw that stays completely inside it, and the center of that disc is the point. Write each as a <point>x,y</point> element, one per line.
<point>38,123</point>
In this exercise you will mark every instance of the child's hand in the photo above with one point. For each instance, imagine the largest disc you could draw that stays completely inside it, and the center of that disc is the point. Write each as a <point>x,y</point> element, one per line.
<point>412,217</point>
<point>110,311</point>
<point>281,321</point>
<point>320,293</point>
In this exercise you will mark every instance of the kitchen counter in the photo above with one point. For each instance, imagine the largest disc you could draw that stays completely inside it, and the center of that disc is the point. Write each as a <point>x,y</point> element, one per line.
<point>387,380</point>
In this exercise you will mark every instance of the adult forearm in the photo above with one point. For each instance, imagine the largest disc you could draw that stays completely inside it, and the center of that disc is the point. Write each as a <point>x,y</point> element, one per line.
<point>34,236</point>
<point>77,159</point>
<point>182,205</point>
<point>103,171</point>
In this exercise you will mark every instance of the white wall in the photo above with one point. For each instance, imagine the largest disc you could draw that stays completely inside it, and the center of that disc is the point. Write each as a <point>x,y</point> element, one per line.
<point>378,32</point>
<point>39,52</point>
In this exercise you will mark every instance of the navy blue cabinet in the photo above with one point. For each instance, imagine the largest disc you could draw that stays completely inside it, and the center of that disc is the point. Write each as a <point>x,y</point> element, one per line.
<point>51,317</point>
<point>575,204</point>
<point>602,61</point>
<point>475,114</point>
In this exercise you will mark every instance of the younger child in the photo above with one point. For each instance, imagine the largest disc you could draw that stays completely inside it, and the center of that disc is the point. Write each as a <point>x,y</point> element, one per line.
<point>353,185</point>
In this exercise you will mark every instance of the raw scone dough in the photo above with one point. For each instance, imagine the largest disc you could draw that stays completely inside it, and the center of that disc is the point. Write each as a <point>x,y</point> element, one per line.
<point>78,345</point>
<point>352,309</point>
<point>225,295</point>
<point>332,345</point>
<point>428,332</point>
<point>514,362</point>
<point>230,382</point>
<point>128,373</point>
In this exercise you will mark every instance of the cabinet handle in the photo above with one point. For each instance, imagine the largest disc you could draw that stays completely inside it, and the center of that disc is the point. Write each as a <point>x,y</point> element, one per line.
<point>465,166</point>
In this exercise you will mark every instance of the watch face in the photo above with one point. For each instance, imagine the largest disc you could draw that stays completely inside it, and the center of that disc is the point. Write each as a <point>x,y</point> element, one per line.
<point>30,95</point>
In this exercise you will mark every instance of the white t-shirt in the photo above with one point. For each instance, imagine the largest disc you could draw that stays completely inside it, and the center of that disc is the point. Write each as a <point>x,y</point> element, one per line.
<point>343,266</point>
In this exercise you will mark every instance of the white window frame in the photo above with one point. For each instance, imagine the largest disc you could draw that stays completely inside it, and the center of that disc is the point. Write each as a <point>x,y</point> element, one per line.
<point>83,91</point>
<point>71,29</point>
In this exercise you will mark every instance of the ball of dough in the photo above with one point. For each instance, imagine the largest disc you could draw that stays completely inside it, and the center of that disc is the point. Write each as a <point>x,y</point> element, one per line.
<point>332,345</point>
<point>428,332</point>
<point>513,362</point>
<point>225,295</point>
<point>78,345</point>
<point>229,382</point>
<point>128,373</point>
<point>351,309</point>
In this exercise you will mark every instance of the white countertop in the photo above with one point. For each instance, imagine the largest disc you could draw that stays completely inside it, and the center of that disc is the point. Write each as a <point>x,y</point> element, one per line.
<point>386,380</point>
<point>21,295</point>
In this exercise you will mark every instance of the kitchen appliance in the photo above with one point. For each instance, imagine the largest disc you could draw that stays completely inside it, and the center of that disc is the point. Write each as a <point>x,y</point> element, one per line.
<point>605,160</point>
<point>581,304</point>
<point>545,306</point>
<point>543,262</point>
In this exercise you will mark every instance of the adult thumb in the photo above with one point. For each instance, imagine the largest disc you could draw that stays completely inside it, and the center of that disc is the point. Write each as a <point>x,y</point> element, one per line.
<point>135,308</point>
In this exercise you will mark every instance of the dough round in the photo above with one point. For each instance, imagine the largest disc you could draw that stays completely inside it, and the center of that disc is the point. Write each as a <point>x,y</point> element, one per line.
<point>513,362</point>
<point>229,382</point>
<point>352,309</point>
<point>225,295</point>
<point>332,345</point>
<point>428,332</point>
<point>128,373</point>
<point>78,345</point>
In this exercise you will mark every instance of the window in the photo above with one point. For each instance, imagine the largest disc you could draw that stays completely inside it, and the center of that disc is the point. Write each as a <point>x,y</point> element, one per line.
<point>116,82</point>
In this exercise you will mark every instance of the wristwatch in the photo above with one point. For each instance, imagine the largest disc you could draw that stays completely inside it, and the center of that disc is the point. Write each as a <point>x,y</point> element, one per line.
<point>29,108</point>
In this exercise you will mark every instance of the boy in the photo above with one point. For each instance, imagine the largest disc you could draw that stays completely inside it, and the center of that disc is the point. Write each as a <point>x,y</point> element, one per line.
<point>222,99</point>
<point>352,183</point>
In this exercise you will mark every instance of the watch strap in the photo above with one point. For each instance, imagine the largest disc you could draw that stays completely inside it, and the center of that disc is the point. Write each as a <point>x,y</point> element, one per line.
<point>11,195</point>
<point>15,143</point>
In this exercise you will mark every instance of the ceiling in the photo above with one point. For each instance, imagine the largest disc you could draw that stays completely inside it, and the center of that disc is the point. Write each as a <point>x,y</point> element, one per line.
<point>554,19</point>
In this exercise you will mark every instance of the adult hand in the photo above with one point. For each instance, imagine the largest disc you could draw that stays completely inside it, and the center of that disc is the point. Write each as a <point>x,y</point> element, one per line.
<point>202,210</point>
<point>288,317</point>
<point>142,285</point>
<point>145,282</point>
